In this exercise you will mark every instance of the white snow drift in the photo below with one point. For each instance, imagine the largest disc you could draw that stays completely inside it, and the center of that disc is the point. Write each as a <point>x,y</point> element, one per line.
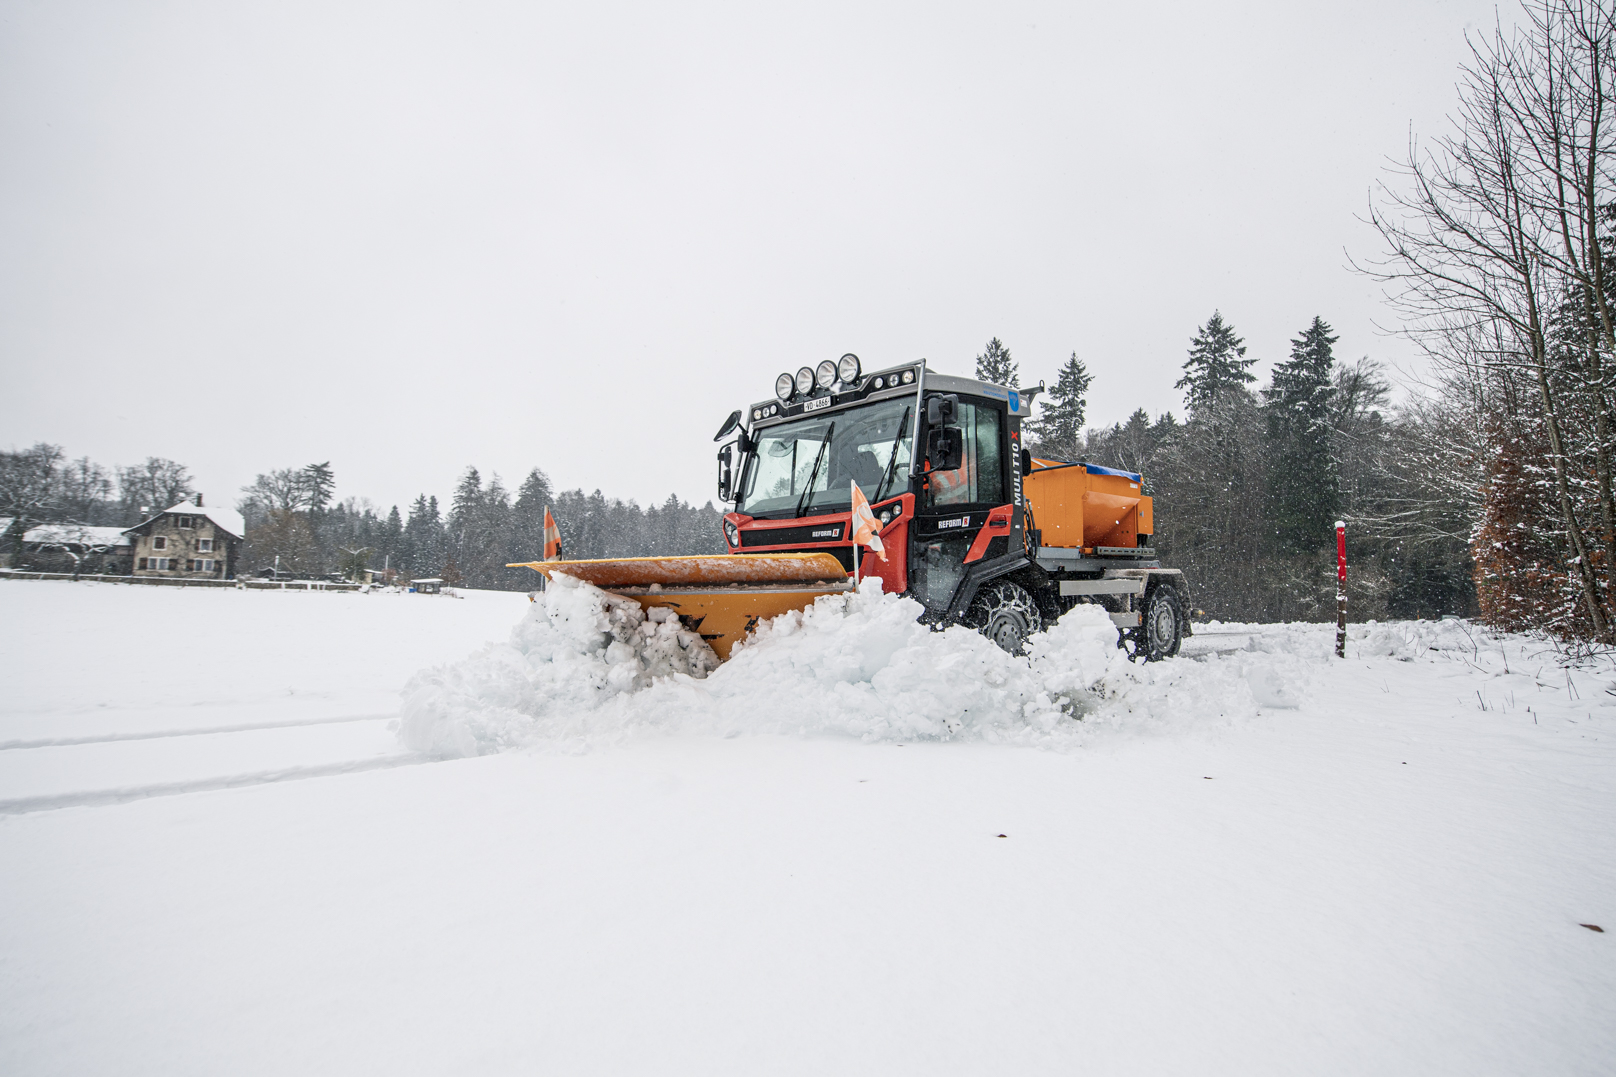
<point>585,666</point>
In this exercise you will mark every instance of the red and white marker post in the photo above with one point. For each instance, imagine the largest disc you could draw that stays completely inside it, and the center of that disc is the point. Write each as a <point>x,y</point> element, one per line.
<point>1340,589</point>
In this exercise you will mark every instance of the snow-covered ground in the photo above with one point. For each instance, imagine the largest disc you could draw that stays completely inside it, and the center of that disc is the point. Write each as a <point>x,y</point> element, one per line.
<point>855,848</point>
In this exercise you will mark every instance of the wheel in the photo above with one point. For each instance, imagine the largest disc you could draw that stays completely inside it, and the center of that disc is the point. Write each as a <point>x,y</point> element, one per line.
<point>1160,630</point>
<point>1006,614</point>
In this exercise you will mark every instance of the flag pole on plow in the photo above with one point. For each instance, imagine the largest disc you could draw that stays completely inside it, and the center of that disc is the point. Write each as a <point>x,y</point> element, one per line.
<point>864,530</point>
<point>552,537</point>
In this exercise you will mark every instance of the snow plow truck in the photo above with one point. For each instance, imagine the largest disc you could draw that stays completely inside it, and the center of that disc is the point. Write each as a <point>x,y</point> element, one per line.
<point>974,527</point>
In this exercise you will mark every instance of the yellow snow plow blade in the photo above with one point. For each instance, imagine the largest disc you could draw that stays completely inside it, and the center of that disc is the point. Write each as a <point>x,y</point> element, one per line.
<point>721,596</point>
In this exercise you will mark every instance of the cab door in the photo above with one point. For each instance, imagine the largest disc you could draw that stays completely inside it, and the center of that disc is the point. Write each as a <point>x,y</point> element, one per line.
<point>953,508</point>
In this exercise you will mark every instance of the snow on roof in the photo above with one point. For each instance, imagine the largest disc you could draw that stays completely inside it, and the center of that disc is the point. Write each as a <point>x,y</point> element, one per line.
<point>78,535</point>
<point>429,579</point>
<point>228,519</point>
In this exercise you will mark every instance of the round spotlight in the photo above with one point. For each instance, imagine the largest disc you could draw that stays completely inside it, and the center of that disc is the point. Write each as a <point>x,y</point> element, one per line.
<point>847,369</point>
<point>782,387</point>
<point>805,380</point>
<point>825,375</point>
<point>908,376</point>
<point>774,409</point>
<point>880,383</point>
<point>757,413</point>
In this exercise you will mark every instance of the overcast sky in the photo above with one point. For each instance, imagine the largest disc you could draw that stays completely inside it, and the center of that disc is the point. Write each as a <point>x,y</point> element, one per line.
<point>406,238</point>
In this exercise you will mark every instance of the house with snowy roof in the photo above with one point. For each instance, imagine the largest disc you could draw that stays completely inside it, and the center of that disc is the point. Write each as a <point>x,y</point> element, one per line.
<point>188,540</point>
<point>77,548</point>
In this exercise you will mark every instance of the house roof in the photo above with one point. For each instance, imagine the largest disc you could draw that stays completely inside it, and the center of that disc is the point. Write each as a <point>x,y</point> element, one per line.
<point>77,535</point>
<point>228,520</point>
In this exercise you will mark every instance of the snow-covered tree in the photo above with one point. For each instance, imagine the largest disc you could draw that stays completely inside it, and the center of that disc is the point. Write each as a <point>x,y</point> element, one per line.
<point>318,483</point>
<point>995,365</point>
<point>1302,477</point>
<point>1060,425</point>
<point>1217,363</point>
<point>29,492</point>
<point>153,485</point>
<point>527,517</point>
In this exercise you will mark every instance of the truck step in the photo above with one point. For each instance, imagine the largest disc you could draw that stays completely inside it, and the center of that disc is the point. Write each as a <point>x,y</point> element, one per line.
<point>1134,586</point>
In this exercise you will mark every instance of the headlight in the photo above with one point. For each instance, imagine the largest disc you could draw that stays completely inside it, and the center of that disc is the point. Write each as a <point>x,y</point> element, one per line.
<point>732,533</point>
<point>826,374</point>
<point>880,383</point>
<point>782,387</point>
<point>908,376</point>
<point>805,380</point>
<point>757,413</point>
<point>847,369</point>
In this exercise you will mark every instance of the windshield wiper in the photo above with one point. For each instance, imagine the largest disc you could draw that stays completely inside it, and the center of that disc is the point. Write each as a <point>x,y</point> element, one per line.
<point>808,490</point>
<point>892,457</point>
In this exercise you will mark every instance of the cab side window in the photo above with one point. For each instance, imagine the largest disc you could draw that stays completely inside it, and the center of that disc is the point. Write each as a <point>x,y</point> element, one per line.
<point>979,480</point>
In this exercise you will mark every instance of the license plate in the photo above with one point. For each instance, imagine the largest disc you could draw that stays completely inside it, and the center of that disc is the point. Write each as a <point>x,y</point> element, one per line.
<point>815,405</point>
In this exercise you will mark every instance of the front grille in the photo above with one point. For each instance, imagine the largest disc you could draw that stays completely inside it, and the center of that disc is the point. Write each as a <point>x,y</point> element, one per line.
<point>794,536</point>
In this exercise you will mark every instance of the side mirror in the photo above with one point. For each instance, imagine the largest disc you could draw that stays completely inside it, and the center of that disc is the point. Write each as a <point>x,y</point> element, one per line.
<point>945,447</point>
<point>730,423</point>
<point>941,409</point>
<point>726,458</point>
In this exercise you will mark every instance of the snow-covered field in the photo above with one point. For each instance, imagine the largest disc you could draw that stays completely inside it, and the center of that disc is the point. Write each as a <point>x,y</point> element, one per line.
<point>858,847</point>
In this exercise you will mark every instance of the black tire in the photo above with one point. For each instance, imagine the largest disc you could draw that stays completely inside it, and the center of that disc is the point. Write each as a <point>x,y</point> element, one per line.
<point>1006,614</point>
<point>1161,629</point>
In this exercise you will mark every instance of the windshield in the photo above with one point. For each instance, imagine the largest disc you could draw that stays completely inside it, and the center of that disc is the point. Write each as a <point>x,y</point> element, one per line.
<point>809,465</point>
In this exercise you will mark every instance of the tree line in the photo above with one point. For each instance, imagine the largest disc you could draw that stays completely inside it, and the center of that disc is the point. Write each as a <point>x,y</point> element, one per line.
<point>1499,243</point>
<point>295,523</point>
<point>484,527</point>
<point>1247,486</point>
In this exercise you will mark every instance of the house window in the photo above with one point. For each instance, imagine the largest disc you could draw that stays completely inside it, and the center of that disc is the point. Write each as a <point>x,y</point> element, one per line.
<point>159,543</point>
<point>204,545</point>
<point>183,521</point>
<point>156,564</point>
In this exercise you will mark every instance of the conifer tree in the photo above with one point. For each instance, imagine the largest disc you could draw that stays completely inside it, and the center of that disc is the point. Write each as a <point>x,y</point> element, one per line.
<point>995,365</point>
<point>319,482</point>
<point>527,517</point>
<point>1060,426</point>
<point>1216,364</point>
<point>1303,481</point>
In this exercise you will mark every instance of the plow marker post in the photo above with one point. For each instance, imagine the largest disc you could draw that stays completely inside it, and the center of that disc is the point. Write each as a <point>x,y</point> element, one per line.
<point>1340,589</point>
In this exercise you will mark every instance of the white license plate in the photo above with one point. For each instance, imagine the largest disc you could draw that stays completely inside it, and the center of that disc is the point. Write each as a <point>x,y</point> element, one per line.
<point>815,405</point>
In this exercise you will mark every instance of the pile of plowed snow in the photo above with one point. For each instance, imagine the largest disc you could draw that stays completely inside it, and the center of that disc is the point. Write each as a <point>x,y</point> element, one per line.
<point>585,667</point>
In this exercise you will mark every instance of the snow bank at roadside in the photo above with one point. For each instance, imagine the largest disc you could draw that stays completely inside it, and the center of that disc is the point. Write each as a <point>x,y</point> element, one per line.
<point>587,667</point>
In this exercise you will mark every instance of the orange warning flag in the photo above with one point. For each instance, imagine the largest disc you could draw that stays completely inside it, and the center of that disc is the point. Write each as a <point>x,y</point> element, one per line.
<point>552,537</point>
<point>866,528</point>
